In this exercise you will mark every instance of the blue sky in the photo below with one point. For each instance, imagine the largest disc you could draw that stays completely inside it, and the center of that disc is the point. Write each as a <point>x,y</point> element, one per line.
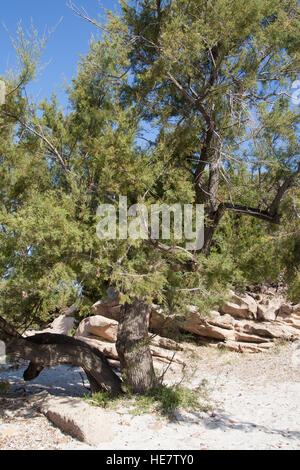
<point>69,40</point>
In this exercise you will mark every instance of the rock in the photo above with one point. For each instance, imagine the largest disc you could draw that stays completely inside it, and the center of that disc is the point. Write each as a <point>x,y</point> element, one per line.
<point>266,313</point>
<point>62,325</point>
<point>100,326</point>
<point>165,354</point>
<point>78,419</point>
<point>244,337</point>
<point>223,321</point>
<point>293,320</point>
<point>166,343</point>
<point>110,309</point>
<point>108,349</point>
<point>252,304</point>
<point>240,306</point>
<point>235,310</point>
<point>197,325</point>
<point>243,347</point>
<point>162,324</point>
<point>161,364</point>
<point>271,330</point>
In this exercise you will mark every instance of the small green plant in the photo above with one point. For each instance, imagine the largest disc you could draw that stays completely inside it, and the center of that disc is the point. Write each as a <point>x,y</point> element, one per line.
<point>162,399</point>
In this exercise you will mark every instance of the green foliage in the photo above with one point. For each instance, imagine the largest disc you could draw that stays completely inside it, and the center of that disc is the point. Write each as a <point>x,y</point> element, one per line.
<point>162,399</point>
<point>138,82</point>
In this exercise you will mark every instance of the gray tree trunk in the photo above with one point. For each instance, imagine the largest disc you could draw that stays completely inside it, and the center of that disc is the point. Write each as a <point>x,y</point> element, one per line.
<point>47,349</point>
<point>133,347</point>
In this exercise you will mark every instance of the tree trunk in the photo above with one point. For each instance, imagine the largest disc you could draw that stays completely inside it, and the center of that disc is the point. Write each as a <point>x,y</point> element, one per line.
<point>211,224</point>
<point>48,349</point>
<point>133,346</point>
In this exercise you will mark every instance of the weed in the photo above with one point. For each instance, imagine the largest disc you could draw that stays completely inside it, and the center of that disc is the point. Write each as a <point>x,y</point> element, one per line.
<point>162,399</point>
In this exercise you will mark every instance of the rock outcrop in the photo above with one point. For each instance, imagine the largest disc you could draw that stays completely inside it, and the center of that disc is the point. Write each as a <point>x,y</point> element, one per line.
<point>251,322</point>
<point>246,323</point>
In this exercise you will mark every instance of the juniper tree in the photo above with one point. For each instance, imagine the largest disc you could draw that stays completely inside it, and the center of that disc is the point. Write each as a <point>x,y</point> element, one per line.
<point>212,81</point>
<point>178,102</point>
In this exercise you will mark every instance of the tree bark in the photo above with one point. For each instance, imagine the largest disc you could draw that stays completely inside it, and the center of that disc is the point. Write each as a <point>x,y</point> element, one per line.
<point>133,346</point>
<point>48,349</point>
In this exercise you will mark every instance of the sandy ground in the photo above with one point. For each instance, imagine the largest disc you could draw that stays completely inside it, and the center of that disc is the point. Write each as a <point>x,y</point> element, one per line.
<point>255,402</point>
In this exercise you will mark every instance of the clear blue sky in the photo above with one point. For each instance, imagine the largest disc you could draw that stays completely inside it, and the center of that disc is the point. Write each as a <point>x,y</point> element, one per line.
<point>70,39</point>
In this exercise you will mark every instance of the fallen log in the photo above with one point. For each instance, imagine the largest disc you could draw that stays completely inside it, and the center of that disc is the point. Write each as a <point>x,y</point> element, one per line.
<point>49,349</point>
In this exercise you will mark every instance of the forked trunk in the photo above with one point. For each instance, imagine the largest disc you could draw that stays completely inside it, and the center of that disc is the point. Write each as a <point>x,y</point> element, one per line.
<point>133,346</point>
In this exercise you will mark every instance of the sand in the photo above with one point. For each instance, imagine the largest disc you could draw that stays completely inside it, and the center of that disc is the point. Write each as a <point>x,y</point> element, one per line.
<point>254,403</point>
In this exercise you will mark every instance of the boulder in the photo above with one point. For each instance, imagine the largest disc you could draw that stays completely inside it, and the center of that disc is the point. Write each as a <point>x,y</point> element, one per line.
<point>75,417</point>
<point>223,321</point>
<point>99,326</point>
<point>265,313</point>
<point>62,325</point>
<point>110,309</point>
<point>235,310</point>
<point>252,304</point>
<point>247,338</point>
<point>240,306</point>
<point>271,330</point>
<point>166,354</point>
<point>197,325</point>
<point>166,343</point>
<point>163,324</point>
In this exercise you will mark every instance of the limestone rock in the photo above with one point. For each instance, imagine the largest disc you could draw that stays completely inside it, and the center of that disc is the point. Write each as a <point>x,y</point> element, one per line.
<point>285,309</point>
<point>235,310</point>
<point>100,326</point>
<point>248,338</point>
<point>162,324</point>
<point>75,417</point>
<point>166,354</point>
<point>62,325</point>
<point>110,309</point>
<point>292,320</point>
<point>240,307</point>
<point>223,321</point>
<point>197,325</point>
<point>271,330</point>
<point>166,343</point>
<point>265,313</point>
